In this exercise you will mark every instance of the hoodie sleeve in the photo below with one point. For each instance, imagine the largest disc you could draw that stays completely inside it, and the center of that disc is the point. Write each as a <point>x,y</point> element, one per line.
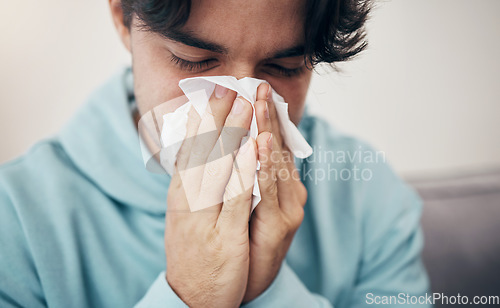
<point>19,283</point>
<point>288,291</point>
<point>160,294</point>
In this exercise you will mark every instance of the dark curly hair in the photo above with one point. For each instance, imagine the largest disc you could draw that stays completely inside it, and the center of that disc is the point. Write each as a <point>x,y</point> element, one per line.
<point>334,30</point>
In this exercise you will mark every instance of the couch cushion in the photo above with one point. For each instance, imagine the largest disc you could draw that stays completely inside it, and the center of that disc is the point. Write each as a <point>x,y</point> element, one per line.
<point>461,224</point>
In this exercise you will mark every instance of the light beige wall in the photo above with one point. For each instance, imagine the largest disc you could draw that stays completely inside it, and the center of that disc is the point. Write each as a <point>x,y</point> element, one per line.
<point>53,54</point>
<point>427,91</point>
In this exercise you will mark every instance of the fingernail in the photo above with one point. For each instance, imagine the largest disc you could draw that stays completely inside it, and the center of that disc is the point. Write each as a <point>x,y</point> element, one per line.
<point>269,93</point>
<point>266,112</point>
<point>270,141</point>
<point>244,145</point>
<point>220,91</point>
<point>237,106</point>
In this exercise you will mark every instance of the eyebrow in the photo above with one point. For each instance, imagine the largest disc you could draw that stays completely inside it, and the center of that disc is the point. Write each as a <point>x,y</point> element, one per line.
<point>188,38</point>
<point>290,52</point>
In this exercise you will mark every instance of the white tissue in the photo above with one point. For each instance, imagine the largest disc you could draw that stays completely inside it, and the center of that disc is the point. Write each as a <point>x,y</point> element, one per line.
<point>198,90</point>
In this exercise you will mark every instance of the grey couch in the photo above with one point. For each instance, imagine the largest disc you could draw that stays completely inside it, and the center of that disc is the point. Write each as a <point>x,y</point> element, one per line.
<point>461,224</point>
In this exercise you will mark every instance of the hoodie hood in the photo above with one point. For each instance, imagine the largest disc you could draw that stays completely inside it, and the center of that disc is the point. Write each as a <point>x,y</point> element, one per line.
<point>103,143</point>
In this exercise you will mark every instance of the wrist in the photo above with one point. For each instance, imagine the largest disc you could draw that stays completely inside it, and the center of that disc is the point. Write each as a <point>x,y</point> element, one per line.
<point>258,284</point>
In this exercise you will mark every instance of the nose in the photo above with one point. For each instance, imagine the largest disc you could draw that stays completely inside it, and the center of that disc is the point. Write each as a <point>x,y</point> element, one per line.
<point>241,70</point>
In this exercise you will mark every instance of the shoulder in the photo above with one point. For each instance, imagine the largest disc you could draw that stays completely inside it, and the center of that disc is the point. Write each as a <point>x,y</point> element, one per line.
<point>352,185</point>
<point>320,132</point>
<point>356,160</point>
<point>43,162</point>
<point>40,178</point>
<point>347,163</point>
<point>36,192</point>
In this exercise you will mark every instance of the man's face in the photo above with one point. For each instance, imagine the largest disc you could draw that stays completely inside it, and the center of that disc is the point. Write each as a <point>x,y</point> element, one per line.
<point>255,38</point>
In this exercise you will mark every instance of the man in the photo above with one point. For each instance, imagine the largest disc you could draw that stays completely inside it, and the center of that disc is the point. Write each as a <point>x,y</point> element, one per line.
<point>85,224</point>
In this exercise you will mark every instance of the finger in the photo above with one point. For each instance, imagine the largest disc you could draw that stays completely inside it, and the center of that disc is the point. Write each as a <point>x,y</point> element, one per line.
<point>211,124</point>
<point>264,91</point>
<point>275,126</point>
<point>287,176</point>
<point>176,187</point>
<point>286,193</point>
<point>190,168</point>
<point>273,115</point>
<point>176,196</point>
<point>266,176</point>
<point>184,188</point>
<point>219,165</point>
<point>180,199</point>
<point>236,126</point>
<point>237,204</point>
<point>289,160</point>
<point>193,123</point>
<point>285,186</point>
<point>220,104</point>
<point>299,188</point>
<point>263,117</point>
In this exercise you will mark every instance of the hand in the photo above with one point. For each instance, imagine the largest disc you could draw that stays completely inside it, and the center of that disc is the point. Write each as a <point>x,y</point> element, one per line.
<point>280,212</point>
<point>207,251</point>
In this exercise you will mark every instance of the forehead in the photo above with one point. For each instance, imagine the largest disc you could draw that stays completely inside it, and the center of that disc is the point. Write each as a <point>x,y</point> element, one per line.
<point>255,27</point>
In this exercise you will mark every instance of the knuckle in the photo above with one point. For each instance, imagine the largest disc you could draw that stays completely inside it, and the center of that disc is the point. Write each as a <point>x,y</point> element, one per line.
<point>260,104</point>
<point>265,158</point>
<point>270,188</point>
<point>214,242</point>
<point>247,109</point>
<point>293,218</point>
<point>297,216</point>
<point>268,177</point>
<point>234,195</point>
<point>227,212</point>
<point>282,230</point>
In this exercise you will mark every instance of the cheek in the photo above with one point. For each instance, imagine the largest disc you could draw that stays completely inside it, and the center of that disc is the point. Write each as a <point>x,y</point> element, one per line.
<point>155,80</point>
<point>294,92</point>
<point>152,90</point>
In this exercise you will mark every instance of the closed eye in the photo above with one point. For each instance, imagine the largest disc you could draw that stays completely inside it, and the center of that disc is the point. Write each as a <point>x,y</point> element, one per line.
<point>191,66</point>
<point>284,71</point>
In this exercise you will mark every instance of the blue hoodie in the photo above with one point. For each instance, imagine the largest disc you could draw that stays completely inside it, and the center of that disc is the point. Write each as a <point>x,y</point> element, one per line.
<point>82,221</point>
